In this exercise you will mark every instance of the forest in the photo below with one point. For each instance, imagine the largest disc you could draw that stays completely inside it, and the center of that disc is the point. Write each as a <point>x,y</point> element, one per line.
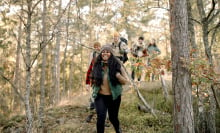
<point>44,53</point>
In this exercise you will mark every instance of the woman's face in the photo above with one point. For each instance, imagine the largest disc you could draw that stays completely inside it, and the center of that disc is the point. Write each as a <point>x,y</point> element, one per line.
<point>105,55</point>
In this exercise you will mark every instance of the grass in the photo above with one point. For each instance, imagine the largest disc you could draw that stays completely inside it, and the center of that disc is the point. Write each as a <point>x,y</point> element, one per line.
<point>133,120</point>
<point>70,117</point>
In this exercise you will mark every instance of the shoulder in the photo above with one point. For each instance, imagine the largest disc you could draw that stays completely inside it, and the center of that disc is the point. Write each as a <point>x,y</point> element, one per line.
<point>122,43</point>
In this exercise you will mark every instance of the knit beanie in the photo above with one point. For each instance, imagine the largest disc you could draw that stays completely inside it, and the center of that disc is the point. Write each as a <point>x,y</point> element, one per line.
<point>107,47</point>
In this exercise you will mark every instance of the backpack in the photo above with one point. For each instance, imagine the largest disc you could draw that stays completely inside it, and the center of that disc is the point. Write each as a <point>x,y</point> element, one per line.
<point>124,40</point>
<point>125,54</point>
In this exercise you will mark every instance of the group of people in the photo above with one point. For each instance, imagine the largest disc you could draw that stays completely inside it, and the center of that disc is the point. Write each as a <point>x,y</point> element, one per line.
<point>141,57</point>
<point>106,76</point>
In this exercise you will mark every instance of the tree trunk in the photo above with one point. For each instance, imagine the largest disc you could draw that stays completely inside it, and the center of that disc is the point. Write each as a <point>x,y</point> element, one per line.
<point>43,70</point>
<point>164,87</point>
<point>181,78</point>
<point>17,66</point>
<point>70,82</point>
<point>192,41</point>
<point>56,65</point>
<point>206,20</point>
<point>65,51</point>
<point>211,113</point>
<point>28,69</point>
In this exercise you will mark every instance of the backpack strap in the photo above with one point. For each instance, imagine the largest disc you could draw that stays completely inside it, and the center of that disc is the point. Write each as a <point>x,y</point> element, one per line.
<point>94,54</point>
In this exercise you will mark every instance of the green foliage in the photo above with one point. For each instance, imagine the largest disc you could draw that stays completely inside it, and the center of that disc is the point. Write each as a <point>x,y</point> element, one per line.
<point>140,122</point>
<point>202,72</point>
<point>2,119</point>
<point>157,99</point>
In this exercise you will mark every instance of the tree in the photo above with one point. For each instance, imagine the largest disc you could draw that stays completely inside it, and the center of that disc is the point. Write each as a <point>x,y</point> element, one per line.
<point>208,19</point>
<point>43,69</point>
<point>181,81</point>
<point>192,40</point>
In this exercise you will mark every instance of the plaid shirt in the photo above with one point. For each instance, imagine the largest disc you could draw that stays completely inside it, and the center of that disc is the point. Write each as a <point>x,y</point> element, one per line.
<point>89,71</point>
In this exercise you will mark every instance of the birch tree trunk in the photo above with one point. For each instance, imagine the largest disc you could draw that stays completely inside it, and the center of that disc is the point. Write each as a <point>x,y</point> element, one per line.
<point>43,70</point>
<point>181,81</point>
<point>28,69</point>
<point>56,65</point>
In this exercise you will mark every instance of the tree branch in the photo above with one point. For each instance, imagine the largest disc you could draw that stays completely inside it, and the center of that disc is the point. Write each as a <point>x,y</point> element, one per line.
<point>198,22</point>
<point>214,28</point>
<point>214,16</point>
<point>43,46</point>
<point>36,4</point>
<point>13,86</point>
<point>212,9</point>
<point>216,99</point>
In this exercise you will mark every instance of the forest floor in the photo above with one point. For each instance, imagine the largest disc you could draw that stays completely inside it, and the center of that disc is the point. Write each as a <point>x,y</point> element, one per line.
<point>70,115</point>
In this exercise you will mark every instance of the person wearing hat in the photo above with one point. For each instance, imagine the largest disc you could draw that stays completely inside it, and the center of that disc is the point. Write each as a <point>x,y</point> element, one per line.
<point>108,77</point>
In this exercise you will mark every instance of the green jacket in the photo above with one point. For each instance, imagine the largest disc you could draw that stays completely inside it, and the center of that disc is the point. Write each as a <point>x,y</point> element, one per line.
<point>115,90</point>
<point>150,49</point>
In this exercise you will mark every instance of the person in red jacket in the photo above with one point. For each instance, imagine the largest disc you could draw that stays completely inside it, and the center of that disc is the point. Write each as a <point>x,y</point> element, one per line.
<point>92,59</point>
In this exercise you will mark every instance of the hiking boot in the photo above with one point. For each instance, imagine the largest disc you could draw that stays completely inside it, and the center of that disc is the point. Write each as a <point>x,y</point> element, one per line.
<point>89,118</point>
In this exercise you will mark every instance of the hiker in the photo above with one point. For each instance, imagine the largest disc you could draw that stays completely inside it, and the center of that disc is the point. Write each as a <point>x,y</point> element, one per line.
<point>92,58</point>
<point>153,51</point>
<point>138,51</point>
<point>120,47</point>
<point>108,77</point>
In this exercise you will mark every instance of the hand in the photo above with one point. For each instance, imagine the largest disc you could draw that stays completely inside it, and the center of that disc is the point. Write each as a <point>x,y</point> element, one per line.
<point>87,87</point>
<point>118,75</point>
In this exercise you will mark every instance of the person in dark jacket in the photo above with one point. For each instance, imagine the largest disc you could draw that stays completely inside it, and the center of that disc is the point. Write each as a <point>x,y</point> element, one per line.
<point>108,77</point>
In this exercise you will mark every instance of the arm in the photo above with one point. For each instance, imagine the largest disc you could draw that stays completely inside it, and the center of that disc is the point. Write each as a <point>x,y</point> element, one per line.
<point>158,50</point>
<point>90,58</point>
<point>122,78</point>
<point>124,47</point>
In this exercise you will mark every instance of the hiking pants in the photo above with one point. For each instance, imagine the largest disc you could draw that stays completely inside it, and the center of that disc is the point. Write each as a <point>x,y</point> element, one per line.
<point>104,103</point>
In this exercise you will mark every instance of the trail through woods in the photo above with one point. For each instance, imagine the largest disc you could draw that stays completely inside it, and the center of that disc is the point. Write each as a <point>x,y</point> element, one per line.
<point>71,113</point>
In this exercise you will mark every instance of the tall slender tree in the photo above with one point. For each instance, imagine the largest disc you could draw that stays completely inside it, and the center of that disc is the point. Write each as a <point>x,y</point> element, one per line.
<point>210,25</point>
<point>28,68</point>
<point>56,65</point>
<point>181,81</point>
<point>43,69</point>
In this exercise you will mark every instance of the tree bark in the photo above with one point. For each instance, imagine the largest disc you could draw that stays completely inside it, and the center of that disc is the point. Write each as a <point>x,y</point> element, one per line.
<point>206,20</point>
<point>56,66</point>
<point>43,70</point>
<point>65,51</point>
<point>164,87</point>
<point>192,41</point>
<point>181,78</point>
<point>17,66</point>
<point>28,69</point>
